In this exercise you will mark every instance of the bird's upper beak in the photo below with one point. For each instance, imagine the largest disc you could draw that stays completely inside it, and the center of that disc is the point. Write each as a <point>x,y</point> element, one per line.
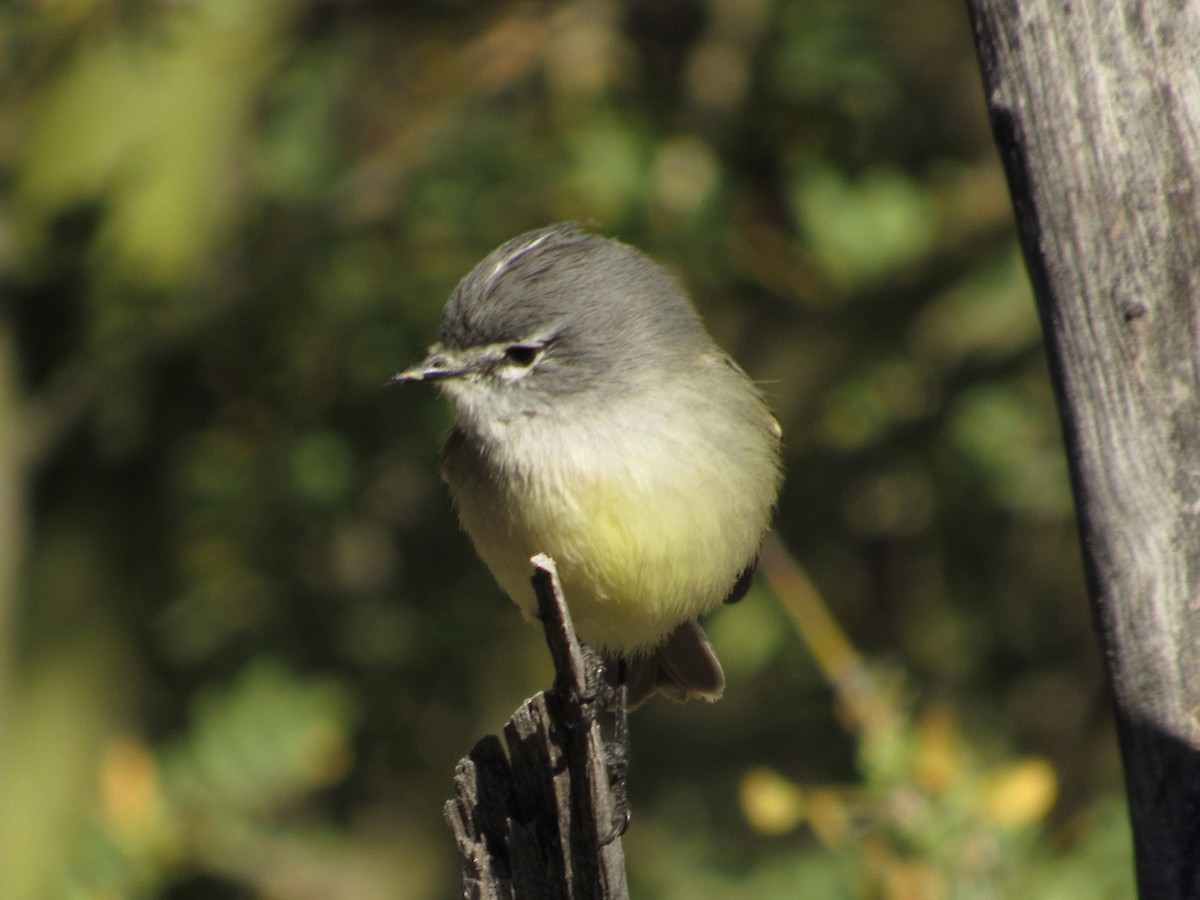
<point>439,365</point>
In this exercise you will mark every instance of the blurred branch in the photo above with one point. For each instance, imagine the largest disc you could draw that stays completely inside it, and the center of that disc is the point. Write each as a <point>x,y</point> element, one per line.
<point>858,692</point>
<point>73,390</point>
<point>51,415</point>
<point>449,80</point>
<point>12,512</point>
<point>1096,111</point>
<point>535,823</point>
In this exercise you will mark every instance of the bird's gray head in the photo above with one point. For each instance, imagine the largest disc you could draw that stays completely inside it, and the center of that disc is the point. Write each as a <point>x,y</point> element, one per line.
<point>555,316</point>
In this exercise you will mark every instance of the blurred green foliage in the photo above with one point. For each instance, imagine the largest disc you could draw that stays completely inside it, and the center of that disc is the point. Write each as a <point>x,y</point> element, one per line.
<point>242,643</point>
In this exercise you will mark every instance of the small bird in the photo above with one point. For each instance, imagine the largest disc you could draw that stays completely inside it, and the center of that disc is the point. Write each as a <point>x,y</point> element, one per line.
<point>597,422</point>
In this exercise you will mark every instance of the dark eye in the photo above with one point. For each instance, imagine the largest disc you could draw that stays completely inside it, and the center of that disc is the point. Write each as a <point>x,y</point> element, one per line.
<point>522,354</point>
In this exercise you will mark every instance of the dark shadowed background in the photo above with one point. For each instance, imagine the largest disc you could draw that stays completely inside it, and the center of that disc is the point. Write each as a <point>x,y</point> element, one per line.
<point>242,641</point>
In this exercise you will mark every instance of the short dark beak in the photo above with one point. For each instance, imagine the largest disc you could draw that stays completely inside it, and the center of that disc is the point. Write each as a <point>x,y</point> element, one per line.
<point>435,367</point>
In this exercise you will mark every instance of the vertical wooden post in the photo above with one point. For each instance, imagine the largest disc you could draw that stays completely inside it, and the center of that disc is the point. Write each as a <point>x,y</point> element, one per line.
<point>1096,110</point>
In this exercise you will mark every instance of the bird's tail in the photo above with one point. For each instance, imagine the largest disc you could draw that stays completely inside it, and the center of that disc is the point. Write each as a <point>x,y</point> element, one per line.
<point>683,667</point>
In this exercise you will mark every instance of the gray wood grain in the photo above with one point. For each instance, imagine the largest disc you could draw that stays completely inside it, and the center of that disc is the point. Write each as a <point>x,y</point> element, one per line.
<point>535,822</point>
<point>1096,111</point>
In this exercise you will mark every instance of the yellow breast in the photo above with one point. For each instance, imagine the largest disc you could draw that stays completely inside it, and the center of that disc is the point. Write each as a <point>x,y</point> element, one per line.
<point>649,527</point>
